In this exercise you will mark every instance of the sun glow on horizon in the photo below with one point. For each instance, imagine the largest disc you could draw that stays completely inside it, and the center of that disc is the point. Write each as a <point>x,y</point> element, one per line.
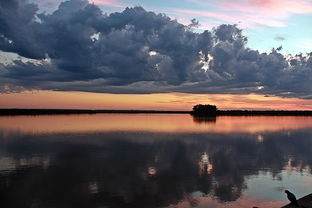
<point>160,101</point>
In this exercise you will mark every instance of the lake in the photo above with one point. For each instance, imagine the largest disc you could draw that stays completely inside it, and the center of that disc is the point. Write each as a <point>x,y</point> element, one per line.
<point>153,160</point>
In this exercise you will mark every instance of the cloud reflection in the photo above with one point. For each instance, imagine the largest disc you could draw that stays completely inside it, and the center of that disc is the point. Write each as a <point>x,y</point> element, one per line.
<point>129,170</point>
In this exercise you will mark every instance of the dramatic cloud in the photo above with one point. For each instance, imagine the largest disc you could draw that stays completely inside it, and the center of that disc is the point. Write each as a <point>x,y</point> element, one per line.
<point>79,48</point>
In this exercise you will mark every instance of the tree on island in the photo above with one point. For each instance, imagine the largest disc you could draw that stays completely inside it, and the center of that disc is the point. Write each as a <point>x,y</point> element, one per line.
<point>204,110</point>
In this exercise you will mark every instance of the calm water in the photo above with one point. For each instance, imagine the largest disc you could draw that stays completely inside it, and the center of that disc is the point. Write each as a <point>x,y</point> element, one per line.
<point>149,160</point>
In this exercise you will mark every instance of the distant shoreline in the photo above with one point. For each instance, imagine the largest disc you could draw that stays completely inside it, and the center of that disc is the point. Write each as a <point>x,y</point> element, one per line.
<point>8,112</point>
<point>16,112</point>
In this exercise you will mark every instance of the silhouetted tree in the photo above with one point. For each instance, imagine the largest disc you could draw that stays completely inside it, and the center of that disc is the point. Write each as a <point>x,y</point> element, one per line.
<point>204,110</point>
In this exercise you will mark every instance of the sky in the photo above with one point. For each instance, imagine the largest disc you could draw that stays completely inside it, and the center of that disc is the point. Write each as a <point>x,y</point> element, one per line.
<point>266,23</point>
<point>160,55</point>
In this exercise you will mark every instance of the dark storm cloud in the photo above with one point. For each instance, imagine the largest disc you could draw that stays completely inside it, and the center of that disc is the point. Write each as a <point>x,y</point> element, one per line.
<point>78,47</point>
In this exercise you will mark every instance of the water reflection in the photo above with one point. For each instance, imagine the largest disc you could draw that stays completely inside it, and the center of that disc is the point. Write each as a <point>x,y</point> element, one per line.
<point>165,123</point>
<point>153,169</point>
<point>205,119</point>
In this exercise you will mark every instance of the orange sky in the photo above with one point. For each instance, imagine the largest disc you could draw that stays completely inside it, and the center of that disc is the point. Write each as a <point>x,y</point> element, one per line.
<point>163,101</point>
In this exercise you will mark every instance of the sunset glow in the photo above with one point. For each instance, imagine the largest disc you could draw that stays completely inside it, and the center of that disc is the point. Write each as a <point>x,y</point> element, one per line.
<point>163,101</point>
